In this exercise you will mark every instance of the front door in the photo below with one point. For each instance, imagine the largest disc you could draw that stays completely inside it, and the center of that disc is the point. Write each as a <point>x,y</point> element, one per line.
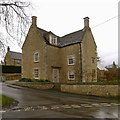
<point>55,75</point>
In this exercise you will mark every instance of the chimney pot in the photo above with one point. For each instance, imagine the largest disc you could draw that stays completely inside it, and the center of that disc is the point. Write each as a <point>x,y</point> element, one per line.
<point>86,22</point>
<point>34,21</point>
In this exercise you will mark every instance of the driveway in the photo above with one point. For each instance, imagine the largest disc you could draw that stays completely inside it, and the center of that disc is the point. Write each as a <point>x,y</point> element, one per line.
<point>55,104</point>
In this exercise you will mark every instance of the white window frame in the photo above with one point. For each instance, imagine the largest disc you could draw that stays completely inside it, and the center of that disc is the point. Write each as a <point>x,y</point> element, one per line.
<point>17,61</point>
<point>35,57</point>
<point>34,74</point>
<point>71,73</point>
<point>53,39</point>
<point>50,39</point>
<point>69,58</point>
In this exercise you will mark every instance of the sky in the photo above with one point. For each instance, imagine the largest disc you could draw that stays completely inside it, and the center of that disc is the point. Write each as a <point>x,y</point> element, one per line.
<point>66,16</point>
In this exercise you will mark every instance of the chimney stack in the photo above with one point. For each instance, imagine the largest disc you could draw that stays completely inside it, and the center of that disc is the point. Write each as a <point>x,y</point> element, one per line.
<point>86,22</point>
<point>34,21</point>
<point>8,48</point>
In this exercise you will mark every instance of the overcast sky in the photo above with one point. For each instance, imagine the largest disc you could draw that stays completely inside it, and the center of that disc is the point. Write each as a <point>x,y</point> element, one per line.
<point>66,16</point>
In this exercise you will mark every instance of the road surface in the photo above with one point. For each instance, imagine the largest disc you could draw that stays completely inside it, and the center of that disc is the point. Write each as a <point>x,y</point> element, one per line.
<point>55,104</point>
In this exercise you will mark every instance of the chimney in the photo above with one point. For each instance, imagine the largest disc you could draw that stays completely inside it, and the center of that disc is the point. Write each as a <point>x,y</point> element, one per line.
<point>8,48</point>
<point>86,22</point>
<point>34,21</point>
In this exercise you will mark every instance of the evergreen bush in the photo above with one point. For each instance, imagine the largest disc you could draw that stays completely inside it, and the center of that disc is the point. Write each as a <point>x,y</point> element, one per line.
<point>11,69</point>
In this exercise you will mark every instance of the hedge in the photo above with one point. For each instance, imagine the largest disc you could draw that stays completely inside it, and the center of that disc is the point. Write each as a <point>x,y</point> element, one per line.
<point>33,80</point>
<point>10,69</point>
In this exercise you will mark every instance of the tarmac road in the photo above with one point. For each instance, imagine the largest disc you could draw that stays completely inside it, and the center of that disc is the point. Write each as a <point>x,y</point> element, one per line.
<point>55,104</point>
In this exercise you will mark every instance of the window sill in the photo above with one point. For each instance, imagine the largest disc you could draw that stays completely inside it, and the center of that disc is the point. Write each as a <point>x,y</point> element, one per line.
<point>71,64</point>
<point>71,79</point>
<point>36,61</point>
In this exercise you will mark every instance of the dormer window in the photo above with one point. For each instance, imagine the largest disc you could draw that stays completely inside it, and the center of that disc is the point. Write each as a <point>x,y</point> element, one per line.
<point>53,39</point>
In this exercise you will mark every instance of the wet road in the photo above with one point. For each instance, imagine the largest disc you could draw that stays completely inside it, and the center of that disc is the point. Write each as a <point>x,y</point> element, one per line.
<point>54,104</point>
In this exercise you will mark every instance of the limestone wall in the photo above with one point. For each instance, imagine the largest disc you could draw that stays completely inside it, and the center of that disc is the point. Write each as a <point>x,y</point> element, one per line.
<point>41,86</point>
<point>97,90</point>
<point>14,76</point>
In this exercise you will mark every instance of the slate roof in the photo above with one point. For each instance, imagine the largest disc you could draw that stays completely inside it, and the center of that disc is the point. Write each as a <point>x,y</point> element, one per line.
<point>68,39</point>
<point>15,55</point>
<point>71,38</point>
<point>42,32</point>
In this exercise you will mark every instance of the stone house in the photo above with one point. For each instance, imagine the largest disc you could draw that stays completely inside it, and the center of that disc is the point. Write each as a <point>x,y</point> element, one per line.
<point>68,59</point>
<point>12,58</point>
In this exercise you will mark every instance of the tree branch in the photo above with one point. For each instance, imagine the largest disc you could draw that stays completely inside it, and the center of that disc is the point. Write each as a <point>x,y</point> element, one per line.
<point>14,18</point>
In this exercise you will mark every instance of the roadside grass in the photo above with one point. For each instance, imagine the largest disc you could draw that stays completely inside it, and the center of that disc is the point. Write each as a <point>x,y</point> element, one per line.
<point>114,81</point>
<point>5,101</point>
<point>109,82</point>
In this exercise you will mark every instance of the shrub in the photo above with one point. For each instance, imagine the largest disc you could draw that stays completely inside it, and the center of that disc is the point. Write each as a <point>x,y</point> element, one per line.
<point>47,81</point>
<point>25,80</point>
<point>32,80</point>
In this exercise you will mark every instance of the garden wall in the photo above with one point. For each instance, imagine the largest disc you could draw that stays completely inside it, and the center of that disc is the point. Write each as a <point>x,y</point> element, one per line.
<point>97,90</point>
<point>12,76</point>
<point>35,85</point>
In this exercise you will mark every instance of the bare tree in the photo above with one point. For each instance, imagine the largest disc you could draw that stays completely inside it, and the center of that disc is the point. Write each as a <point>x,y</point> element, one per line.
<point>2,46</point>
<point>14,19</point>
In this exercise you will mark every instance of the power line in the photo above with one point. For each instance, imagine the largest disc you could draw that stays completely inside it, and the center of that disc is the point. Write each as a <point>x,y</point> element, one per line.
<point>105,21</point>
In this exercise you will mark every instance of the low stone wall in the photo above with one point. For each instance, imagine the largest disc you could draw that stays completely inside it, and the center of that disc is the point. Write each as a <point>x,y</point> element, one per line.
<point>13,76</point>
<point>35,85</point>
<point>97,90</point>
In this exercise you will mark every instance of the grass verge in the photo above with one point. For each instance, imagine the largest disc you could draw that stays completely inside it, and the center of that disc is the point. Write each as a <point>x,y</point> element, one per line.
<point>5,101</point>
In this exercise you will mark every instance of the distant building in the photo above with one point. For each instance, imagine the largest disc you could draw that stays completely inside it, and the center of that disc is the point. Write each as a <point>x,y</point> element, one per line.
<point>68,59</point>
<point>12,58</point>
<point>101,76</point>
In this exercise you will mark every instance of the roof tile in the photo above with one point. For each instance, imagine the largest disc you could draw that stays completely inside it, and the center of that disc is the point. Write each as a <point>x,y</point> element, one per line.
<point>15,55</point>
